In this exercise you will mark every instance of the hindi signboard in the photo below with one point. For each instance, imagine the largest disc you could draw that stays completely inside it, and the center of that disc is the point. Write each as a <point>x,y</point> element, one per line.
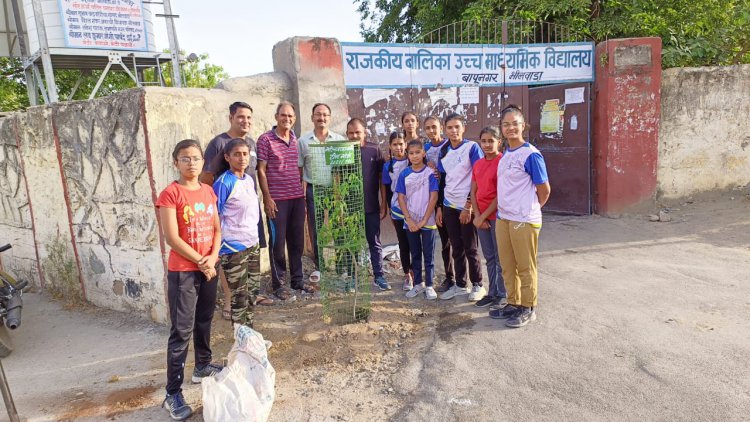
<point>404,65</point>
<point>104,24</point>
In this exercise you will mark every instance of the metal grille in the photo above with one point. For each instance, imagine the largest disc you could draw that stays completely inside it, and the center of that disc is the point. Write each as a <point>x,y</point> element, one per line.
<point>495,31</point>
<point>340,224</point>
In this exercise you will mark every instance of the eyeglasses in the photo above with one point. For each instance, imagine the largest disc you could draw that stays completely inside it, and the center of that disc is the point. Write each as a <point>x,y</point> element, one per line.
<point>321,115</point>
<point>507,125</point>
<point>188,160</point>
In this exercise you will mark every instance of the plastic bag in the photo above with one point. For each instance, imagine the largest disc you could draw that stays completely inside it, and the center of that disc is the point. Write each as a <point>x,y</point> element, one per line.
<point>244,389</point>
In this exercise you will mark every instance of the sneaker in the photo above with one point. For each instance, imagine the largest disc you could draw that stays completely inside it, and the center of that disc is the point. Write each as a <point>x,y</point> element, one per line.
<point>419,288</point>
<point>506,312</point>
<point>382,283</point>
<point>447,284</point>
<point>525,316</point>
<point>176,406</point>
<point>499,303</point>
<point>454,291</point>
<point>429,293</point>
<point>485,301</point>
<point>209,370</point>
<point>477,292</point>
<point>408,282</point>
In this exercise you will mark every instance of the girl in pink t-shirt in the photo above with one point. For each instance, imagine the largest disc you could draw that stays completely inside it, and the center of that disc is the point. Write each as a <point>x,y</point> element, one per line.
<point>484,200</point>
<point>190,222</point>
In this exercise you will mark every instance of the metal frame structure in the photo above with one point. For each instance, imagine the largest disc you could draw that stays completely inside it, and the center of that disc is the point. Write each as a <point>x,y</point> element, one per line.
<point>39,66</point>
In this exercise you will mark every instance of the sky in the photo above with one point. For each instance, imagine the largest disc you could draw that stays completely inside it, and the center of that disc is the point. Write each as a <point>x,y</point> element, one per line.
<point>239,35</point>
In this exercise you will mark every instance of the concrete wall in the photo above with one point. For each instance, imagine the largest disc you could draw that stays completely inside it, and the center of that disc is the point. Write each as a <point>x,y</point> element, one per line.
<point>704,140</point>
<point>83,176</point>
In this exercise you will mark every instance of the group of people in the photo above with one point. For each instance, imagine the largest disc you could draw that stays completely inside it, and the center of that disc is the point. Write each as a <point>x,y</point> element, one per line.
<point>470,193</point>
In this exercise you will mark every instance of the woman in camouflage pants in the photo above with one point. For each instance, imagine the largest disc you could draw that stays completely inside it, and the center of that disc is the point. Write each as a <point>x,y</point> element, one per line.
<point>238,209</point>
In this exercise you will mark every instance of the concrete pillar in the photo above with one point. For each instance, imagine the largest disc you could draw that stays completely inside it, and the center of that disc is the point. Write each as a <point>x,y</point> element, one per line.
<point>625,138</point>
<point>315,67</point>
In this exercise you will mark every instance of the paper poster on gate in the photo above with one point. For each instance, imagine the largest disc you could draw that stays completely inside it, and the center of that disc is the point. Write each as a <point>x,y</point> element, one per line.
<point>552,117</point>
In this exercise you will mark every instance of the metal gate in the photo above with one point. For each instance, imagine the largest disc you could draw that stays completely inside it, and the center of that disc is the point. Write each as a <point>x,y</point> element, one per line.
<point>564,140</point>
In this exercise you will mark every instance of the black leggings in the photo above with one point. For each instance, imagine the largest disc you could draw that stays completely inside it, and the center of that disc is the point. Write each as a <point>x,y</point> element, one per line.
<point>403,245</point>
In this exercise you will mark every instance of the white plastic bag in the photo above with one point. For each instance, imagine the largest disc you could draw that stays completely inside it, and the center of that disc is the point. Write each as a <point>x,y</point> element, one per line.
<point>244,389</point>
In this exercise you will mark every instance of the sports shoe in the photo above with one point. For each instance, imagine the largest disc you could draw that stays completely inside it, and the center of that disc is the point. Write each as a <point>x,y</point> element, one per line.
<point>382,283</point>
<point>485,301</point>
<point>176,406</point>
<point>525,316</point>
<point>454,291</point>
<point>499,303</point>
<point>209,370</point>
<point>446,285</point>
<point>505,313</point>
<point>419,288</point>
<point>477,292</point>
<point>408,282</point>
<point>429,293</point>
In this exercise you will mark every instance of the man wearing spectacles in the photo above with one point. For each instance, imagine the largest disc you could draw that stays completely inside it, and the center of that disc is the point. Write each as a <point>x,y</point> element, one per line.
<point>321,118</point>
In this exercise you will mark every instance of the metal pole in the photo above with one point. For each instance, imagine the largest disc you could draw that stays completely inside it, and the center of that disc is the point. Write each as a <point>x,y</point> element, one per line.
<point>174,46</point>
<point>30,83</point>
<point>49,74</point>
<point>7,397</point>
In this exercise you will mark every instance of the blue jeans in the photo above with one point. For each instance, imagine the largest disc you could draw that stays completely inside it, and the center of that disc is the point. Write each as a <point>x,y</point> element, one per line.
<point>489,250</point>
<point>422,243</point>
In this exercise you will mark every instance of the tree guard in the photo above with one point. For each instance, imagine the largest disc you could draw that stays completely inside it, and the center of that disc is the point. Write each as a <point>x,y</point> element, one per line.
<point>340,224</point>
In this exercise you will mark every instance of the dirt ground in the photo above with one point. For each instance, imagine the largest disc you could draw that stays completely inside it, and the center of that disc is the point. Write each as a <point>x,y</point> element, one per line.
<point>638,320</point>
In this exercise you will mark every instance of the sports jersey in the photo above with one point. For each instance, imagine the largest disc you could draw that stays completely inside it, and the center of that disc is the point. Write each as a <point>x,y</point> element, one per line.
<point>417,186</point>
<point>456,164</point>
<point>518,173</point>
<point>238,212</point>
<point>390,178</point>
<point>433,151</point>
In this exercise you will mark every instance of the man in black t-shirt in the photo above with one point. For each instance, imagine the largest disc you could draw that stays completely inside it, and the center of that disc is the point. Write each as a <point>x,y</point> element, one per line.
<point>374,196</point>
<point>240,123</point>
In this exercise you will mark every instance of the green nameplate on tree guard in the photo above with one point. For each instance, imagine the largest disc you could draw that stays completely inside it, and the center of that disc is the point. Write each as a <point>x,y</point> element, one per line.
<point>341,154</point>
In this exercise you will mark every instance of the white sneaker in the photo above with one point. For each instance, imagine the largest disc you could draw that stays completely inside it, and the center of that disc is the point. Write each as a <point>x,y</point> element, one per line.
<point>477,292</point>
<point>408,282</point>
<point>454,291</point>
<point>419,288</point>
<point>429,293</point>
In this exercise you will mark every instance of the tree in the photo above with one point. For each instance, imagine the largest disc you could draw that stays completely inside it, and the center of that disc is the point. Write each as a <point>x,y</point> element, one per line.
<point>13,95</point>
<point>710,32</point>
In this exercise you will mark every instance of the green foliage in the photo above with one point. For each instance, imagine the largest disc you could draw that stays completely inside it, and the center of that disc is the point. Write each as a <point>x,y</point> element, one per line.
<point>344,227</point>
<point>710,32</point>
<point>13,94</point>
<point>61,273</point>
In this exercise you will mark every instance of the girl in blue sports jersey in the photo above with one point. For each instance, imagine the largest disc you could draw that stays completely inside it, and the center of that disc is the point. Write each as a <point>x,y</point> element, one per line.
<point>455,162</point>
<point>391,170</point>
<point>417,189</point>
<point>239,214</point>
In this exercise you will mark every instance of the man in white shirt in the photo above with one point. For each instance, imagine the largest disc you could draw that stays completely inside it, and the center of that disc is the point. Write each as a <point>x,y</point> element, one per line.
<point>321,118</point>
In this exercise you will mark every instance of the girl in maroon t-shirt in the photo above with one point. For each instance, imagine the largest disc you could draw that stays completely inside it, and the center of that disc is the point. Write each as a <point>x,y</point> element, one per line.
<point>190,222</point>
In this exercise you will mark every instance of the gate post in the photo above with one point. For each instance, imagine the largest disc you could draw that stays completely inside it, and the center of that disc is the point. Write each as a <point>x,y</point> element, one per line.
<point>627,106</point>
<point>316,69</point>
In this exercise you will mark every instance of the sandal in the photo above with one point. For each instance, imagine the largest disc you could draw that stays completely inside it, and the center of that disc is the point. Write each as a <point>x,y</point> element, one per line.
<point>307,288</point>
<point>263,300</point>
<point>226,314</point>
<point>315,277</point>
<point>284,294</point>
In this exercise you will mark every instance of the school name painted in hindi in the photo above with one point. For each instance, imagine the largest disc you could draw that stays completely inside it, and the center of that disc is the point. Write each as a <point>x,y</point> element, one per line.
<point>392,65</point>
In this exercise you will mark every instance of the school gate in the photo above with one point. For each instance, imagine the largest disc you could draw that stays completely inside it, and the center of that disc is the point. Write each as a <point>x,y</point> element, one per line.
<point>476,69</point>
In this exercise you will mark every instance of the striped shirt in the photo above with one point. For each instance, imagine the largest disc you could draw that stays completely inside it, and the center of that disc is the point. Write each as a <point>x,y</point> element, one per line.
<point>282,173</point>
